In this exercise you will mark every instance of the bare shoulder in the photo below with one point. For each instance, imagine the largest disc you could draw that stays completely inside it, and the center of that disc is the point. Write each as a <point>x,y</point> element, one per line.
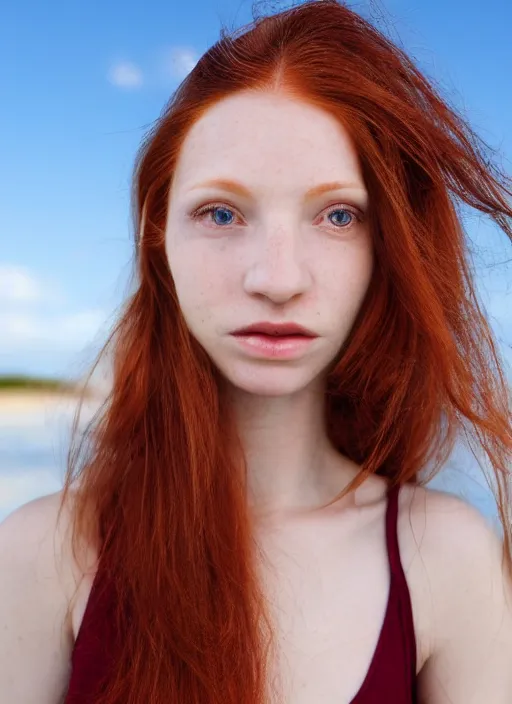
<point>38,578</point>
<point>435,527</point>
<point>36,538</point>
<point>36,555</point>
<point>460,588</point>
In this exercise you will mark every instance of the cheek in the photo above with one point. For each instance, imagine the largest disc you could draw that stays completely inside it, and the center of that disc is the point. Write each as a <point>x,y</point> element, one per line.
<point>206,270</point>
<point>346,284</point>
<point>202,283</point>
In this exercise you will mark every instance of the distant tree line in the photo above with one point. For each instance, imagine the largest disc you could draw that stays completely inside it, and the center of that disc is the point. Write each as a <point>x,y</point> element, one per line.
<point>14,382</point>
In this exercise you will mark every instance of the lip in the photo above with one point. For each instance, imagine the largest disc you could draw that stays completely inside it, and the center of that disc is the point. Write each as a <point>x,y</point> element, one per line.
<point>275,330</point>
<point>274,340</point>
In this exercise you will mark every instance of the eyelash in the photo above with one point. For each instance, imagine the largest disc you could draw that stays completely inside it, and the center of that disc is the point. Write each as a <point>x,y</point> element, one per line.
<point>210,208</point>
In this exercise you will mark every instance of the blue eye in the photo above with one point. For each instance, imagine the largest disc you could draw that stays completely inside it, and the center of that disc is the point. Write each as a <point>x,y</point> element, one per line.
<point>214,209</point>
<point>345,212</point>
<point>222,215</point>
<point>223,212</point>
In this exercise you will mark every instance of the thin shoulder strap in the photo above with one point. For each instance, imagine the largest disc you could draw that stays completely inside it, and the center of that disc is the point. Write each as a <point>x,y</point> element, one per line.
<point>399,585</point>
<point>393,548</point>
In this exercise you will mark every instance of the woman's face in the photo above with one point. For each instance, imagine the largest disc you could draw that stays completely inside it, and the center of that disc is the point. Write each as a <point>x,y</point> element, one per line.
<point>271,249</point>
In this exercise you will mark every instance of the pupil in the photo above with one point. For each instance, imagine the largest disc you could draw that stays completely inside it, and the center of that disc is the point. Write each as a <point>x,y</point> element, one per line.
<point>336,213</point>
<point>222,218</point>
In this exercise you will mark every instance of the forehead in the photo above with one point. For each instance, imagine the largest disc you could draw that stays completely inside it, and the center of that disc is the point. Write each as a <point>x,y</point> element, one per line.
<point>269,139</point>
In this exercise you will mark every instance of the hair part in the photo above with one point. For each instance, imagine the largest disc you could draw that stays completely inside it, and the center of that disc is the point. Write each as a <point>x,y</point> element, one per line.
<point>158,478</point>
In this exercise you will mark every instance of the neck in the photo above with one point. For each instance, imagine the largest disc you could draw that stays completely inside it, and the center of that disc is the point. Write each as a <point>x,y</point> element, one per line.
<point>291,464</point>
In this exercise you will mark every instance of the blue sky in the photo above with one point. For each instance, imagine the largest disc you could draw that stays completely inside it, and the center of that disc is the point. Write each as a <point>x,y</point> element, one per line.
<point>81,82</point>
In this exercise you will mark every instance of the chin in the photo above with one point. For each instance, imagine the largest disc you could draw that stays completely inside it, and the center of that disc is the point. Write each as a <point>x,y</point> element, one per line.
<point>274,381</point>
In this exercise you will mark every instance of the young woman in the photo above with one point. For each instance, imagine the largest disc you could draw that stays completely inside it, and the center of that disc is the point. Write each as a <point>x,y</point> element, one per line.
<point>245,521</point>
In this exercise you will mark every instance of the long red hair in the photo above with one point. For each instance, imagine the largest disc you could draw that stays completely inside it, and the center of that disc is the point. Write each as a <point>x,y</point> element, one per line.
<point>158,477</point>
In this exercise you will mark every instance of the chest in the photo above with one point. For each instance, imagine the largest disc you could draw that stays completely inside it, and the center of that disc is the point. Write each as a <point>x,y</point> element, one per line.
<point>328,593</point>
<point>327,588</point>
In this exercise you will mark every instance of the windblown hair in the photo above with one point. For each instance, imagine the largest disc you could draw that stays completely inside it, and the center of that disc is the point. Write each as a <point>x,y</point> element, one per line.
<point>159,476</point>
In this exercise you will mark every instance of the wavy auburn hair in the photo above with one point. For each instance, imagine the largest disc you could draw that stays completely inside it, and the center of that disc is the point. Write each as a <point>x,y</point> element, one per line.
<point>158,477</point>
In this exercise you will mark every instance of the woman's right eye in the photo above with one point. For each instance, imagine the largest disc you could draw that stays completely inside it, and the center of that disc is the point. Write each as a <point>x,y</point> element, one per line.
<point>214,209</point>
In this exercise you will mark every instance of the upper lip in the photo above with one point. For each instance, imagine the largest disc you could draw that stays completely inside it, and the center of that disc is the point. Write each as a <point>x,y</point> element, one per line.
<point>276,329</point>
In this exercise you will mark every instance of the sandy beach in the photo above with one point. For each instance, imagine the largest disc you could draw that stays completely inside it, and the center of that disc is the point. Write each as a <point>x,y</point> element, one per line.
<point>33,401</point>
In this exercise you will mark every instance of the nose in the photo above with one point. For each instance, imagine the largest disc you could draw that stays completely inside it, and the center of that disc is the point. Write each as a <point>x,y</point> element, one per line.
<point>277,271</point>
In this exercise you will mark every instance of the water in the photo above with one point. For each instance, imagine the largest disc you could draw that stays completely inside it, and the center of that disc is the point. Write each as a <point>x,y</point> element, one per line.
<point>34,442</point>
<point>33,445</point>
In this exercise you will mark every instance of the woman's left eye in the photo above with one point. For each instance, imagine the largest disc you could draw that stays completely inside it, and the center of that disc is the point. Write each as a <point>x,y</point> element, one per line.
<point>214,208</point>
<point>345,211</point>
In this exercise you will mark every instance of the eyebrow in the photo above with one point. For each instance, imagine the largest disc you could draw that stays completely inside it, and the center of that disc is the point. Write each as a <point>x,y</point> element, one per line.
<point>244,192</point>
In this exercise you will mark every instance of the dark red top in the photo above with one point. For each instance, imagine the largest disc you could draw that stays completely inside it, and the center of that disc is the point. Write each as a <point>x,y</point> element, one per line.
<point>391,677</point>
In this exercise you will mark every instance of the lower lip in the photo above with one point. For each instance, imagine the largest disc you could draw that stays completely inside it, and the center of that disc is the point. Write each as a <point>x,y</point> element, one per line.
<point>273,347</point>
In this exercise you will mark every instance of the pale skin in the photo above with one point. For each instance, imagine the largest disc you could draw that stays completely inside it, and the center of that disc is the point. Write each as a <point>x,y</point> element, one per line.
<point>272,254</point>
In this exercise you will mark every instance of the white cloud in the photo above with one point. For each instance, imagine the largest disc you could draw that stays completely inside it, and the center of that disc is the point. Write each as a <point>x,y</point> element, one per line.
<point>125,74</point>
<point>19,286</point>
<point>22,330</point>
<point>182,60</point>
<point>38,329</point>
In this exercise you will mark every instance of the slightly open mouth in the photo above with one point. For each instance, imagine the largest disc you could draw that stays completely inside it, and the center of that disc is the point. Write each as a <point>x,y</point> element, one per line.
<point>271,335</point>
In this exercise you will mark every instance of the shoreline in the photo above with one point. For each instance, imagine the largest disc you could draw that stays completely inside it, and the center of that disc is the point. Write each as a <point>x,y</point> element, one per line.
<point>30,400</point>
